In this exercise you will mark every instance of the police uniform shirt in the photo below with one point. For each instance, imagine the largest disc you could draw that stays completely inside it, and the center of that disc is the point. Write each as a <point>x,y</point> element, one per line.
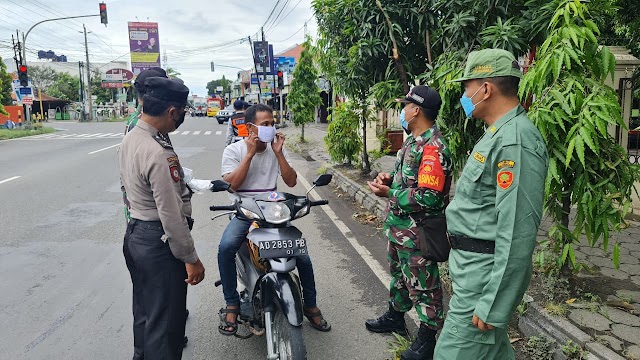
<point>152,176</point>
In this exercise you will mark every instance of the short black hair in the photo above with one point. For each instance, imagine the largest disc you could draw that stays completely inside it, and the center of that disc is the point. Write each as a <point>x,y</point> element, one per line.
<point>430,114</point>
<point>155,107</point>
<point>507,85</point>
<point>252,111</point>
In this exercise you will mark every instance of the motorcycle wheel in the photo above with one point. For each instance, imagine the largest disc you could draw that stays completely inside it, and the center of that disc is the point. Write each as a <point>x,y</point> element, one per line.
<point>287,339</point>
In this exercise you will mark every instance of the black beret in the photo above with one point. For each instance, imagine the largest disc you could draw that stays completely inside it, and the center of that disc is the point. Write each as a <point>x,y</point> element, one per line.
<point>144,75</point>
<point>166,89</point>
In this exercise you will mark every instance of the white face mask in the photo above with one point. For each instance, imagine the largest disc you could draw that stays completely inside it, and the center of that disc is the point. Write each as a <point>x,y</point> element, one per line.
<point>266,134</point>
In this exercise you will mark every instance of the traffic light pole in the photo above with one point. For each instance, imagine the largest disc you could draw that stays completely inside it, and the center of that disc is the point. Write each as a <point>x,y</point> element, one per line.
<point>89,97</point>
<point>24,37</point>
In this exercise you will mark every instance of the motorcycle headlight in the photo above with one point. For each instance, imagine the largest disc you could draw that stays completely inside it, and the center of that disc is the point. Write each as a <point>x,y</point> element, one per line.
<point>275,212</point>
<point>249,214</point>
<point>302,212</point>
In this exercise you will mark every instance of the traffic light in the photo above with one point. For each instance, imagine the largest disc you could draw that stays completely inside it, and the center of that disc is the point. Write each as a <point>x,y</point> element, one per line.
<point>103,13</point>
<point>280,80</point>
<point>23,76</point>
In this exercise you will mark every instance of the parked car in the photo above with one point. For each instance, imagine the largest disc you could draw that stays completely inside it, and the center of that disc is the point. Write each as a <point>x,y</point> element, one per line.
<point>225,114</point>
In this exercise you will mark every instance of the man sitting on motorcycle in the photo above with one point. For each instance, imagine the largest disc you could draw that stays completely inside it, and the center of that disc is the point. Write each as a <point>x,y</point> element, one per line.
<point>252,167</point>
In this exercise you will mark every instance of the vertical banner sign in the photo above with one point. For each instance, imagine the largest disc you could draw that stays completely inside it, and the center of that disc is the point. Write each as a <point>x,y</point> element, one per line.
<point>144,44</point>
<point>262,59</point>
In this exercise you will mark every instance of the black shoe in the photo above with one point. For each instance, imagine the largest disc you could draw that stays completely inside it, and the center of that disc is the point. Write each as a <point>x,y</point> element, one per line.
<point>423,346</point>
<point>390,322</point>
<point>186,341</point>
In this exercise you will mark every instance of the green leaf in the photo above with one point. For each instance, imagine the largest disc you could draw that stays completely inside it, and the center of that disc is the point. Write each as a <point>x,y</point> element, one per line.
<point>572,144</point>
<point>565,252</point>
<point>616,255</point>
<point>586,137</point>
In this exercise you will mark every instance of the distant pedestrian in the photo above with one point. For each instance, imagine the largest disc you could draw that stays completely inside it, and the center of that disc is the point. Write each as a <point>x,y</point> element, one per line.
<point>494,217</point>
<point>237,129</point>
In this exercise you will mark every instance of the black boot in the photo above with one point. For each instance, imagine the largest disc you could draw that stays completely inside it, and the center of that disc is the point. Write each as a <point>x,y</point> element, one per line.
<point>423,347</point>
<point>389,322</point>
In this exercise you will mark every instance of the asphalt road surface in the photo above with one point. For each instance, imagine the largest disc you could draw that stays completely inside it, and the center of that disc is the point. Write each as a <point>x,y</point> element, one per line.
<point>65,289</point>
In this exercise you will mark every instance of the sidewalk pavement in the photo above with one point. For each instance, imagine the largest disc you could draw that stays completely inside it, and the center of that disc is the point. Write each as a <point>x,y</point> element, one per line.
<point>617,322</point>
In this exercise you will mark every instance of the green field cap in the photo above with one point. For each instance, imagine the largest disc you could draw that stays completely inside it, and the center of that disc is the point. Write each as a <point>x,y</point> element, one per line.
<point>490,63</point>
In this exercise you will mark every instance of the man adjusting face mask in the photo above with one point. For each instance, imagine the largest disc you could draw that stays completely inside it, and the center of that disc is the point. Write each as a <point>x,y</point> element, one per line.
<point>266,134</point>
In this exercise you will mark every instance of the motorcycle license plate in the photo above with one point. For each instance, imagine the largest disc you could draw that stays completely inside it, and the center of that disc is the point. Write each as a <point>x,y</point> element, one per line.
<point>270,249</point>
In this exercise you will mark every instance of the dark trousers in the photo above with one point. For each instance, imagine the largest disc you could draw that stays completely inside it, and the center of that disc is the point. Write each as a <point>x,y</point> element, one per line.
<point>159,293</point>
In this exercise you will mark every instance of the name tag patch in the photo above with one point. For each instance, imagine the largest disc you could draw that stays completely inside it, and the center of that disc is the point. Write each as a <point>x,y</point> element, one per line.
<point>506,164</point>
<point>479,157</point>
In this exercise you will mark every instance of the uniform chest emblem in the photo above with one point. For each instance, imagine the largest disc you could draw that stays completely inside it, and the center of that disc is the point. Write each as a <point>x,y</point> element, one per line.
<point>506,163</point>
<point>505,179</point>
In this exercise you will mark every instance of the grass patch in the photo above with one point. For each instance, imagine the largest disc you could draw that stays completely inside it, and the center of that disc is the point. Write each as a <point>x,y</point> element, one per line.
<point>398,345</point>
<point>6,134</point>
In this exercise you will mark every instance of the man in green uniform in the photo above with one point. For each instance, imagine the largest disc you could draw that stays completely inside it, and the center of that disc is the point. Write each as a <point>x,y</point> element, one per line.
<point>419,188</point>
<point>494,216</point>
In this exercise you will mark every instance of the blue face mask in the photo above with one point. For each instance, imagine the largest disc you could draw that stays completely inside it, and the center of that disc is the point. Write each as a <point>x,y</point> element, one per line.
<point>404,123</point>
<point>467,103</point>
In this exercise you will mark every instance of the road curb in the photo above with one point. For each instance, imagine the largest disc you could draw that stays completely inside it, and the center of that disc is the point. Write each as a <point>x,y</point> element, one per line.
<point>535,322</point>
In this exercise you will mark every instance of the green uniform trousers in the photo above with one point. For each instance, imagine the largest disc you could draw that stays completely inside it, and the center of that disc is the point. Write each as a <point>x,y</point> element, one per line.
<point>415,283</point>
<point>459,339</point>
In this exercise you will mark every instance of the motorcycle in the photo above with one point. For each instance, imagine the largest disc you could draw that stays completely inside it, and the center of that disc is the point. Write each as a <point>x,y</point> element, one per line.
<point>270,292</point>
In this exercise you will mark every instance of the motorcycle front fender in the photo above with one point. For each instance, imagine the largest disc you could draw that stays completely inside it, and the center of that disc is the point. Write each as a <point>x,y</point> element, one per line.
<point>283,289</point>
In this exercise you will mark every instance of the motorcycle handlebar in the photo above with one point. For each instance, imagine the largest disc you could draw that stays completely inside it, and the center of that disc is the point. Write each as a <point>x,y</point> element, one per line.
<point>222,208</point>
<point>319,202</point>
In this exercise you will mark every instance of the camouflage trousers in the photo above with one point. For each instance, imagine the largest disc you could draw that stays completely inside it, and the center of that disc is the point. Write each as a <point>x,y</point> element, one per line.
<point>415,283</point>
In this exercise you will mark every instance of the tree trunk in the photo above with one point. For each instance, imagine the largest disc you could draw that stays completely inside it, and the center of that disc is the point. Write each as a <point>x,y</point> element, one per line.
<point>366,166</point>
<point>396,56</point>
<point>429,47</point>
<point>302,134</point>
<point>566,270</point>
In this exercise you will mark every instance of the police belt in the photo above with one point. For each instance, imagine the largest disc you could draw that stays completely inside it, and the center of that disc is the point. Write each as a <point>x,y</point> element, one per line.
<point>472,245</point>
<point>157,224</point>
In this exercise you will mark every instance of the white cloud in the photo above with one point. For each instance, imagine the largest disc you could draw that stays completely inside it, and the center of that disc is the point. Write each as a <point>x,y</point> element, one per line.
<point>187,28</point>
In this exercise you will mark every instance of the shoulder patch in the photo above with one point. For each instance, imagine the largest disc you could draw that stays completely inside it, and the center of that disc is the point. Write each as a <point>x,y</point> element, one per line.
<point>506,164</point>
<point>430,173</point>
<point>163,140</point>
<point>505,179</point>
<point>172,159</point>
<point>479,157</point>
<point>175,172</point>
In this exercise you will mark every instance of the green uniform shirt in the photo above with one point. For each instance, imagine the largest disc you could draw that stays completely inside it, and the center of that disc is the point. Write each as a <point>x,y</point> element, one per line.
<point>411,200</point>
<point>499,197</point>
<point>133,119</point>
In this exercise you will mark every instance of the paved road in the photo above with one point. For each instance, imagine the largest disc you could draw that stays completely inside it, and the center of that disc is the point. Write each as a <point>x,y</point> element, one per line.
<point>66,292</point>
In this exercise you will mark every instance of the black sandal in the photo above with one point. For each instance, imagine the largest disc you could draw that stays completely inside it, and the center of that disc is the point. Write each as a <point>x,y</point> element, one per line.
<point>324,325</point>
<point>224,324</point>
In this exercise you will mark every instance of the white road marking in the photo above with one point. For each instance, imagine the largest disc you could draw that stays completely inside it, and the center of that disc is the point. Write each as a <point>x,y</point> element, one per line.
<point>381,273</point>
<point>196,132</point>
<point>207,132</point>
<point>105,135</point>
<point>83,135</point>
<point>185,133</point>
<point>94,135</point>
<point>9,179</point>
<point>218,132</point>
<point>68,135</point>
<point>107,148</point>
<point>174,132</point>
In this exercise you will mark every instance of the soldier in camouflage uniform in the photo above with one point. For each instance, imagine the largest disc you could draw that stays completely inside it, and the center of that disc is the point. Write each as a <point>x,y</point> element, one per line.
<point>419,188</point>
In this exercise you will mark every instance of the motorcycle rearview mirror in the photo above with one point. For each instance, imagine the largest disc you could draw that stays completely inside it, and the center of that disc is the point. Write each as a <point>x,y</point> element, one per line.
<point>220,185</point>
<point>323,180</point>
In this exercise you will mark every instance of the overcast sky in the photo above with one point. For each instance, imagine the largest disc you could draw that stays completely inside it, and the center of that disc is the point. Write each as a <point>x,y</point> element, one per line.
<point>191,31</point>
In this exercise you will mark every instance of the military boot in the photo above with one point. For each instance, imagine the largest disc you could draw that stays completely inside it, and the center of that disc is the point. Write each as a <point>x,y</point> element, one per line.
<point>423,346</point>
<point>389,322</point>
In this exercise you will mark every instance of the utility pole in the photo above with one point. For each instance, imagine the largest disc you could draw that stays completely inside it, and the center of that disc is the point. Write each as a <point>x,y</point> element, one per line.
<point>264,65</point>
<point>81,91</point>
<point>89,97</point>
<point>256,69</point>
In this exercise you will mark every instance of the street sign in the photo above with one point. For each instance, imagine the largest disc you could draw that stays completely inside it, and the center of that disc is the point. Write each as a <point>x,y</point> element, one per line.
<point>107,84</point>
<point>26,91</point>
<point>219,88</point>
<point>125,75</point>
<point>27,100</point>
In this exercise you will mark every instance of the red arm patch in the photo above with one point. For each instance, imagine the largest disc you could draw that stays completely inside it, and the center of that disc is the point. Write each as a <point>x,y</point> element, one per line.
<point>430,174</point>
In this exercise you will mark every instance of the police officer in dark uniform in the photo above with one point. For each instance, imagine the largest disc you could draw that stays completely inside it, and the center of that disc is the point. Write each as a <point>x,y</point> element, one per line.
<point>158,247</point>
